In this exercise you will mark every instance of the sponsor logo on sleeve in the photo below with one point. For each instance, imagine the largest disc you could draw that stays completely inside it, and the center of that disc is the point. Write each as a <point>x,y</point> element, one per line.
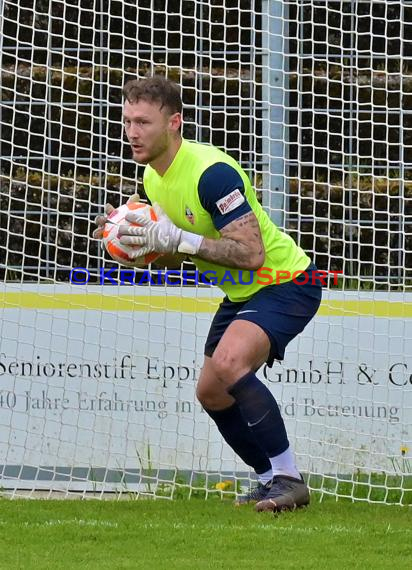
<point>230,202</point>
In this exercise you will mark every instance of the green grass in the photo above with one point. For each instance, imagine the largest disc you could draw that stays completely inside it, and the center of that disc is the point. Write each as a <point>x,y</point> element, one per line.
<point>373,487</point>
<point>196,534</point>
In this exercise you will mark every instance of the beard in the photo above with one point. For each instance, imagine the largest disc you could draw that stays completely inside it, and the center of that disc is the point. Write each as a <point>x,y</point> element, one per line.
<point>148,155</point>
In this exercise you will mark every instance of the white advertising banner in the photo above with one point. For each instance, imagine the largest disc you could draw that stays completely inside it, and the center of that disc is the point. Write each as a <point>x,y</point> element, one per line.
<point>105,377</point>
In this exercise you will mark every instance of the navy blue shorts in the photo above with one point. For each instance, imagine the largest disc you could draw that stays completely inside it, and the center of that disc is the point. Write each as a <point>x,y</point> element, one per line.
<point>282,311</point>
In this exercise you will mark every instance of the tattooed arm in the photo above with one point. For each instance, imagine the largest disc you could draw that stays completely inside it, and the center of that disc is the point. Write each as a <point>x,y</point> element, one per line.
<point>240,245</point>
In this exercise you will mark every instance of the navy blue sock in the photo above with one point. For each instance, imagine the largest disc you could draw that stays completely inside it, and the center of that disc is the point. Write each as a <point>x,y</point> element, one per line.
<point>240,437</point>
<point>261,413</point>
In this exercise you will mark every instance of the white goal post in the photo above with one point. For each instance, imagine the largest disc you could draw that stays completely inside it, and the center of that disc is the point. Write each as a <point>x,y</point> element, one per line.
<point>97,380</point>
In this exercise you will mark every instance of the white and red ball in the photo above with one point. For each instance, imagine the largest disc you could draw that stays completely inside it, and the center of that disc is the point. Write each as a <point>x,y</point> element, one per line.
<point>119,251</point>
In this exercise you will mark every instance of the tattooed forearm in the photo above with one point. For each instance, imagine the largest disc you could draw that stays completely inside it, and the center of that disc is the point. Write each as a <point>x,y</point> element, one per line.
<point>240,245</point>
<point>225,252</point>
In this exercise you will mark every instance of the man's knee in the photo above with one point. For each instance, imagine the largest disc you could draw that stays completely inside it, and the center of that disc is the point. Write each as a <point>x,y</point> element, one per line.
<point>228,367</point>
<point>202,394</point>
<point>210,391</point>
<point>212,398</point>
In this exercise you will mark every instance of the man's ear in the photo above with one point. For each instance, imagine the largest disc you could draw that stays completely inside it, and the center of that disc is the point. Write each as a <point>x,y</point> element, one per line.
<point>175,122</point>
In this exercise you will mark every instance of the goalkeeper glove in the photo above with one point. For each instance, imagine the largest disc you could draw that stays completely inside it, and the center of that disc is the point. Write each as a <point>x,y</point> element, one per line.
<point>162,236</point>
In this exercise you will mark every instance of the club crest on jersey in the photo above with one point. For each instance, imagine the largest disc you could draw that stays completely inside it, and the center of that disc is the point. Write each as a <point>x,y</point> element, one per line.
<point>189,215</point>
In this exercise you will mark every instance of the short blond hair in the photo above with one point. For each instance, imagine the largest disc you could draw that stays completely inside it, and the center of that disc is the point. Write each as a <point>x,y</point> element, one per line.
<point>154,89</point>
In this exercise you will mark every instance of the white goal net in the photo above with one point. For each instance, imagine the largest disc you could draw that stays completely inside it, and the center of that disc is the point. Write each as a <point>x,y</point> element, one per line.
<point>97,379</point>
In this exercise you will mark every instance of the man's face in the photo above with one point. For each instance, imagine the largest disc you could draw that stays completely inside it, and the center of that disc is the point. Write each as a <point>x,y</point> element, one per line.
<point>149,129</point>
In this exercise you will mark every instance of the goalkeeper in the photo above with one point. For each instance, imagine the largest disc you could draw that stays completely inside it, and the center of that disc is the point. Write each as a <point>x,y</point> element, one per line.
<point>207,209</point>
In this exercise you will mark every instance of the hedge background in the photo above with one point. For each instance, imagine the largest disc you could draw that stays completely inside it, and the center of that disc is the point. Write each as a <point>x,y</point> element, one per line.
<point>349,201</point>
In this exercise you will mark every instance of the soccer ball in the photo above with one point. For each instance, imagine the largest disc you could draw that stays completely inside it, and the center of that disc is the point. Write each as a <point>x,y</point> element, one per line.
<point>119,251</point>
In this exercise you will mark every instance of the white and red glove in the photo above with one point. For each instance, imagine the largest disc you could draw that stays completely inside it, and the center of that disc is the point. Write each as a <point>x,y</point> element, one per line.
<point>162,236</point>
